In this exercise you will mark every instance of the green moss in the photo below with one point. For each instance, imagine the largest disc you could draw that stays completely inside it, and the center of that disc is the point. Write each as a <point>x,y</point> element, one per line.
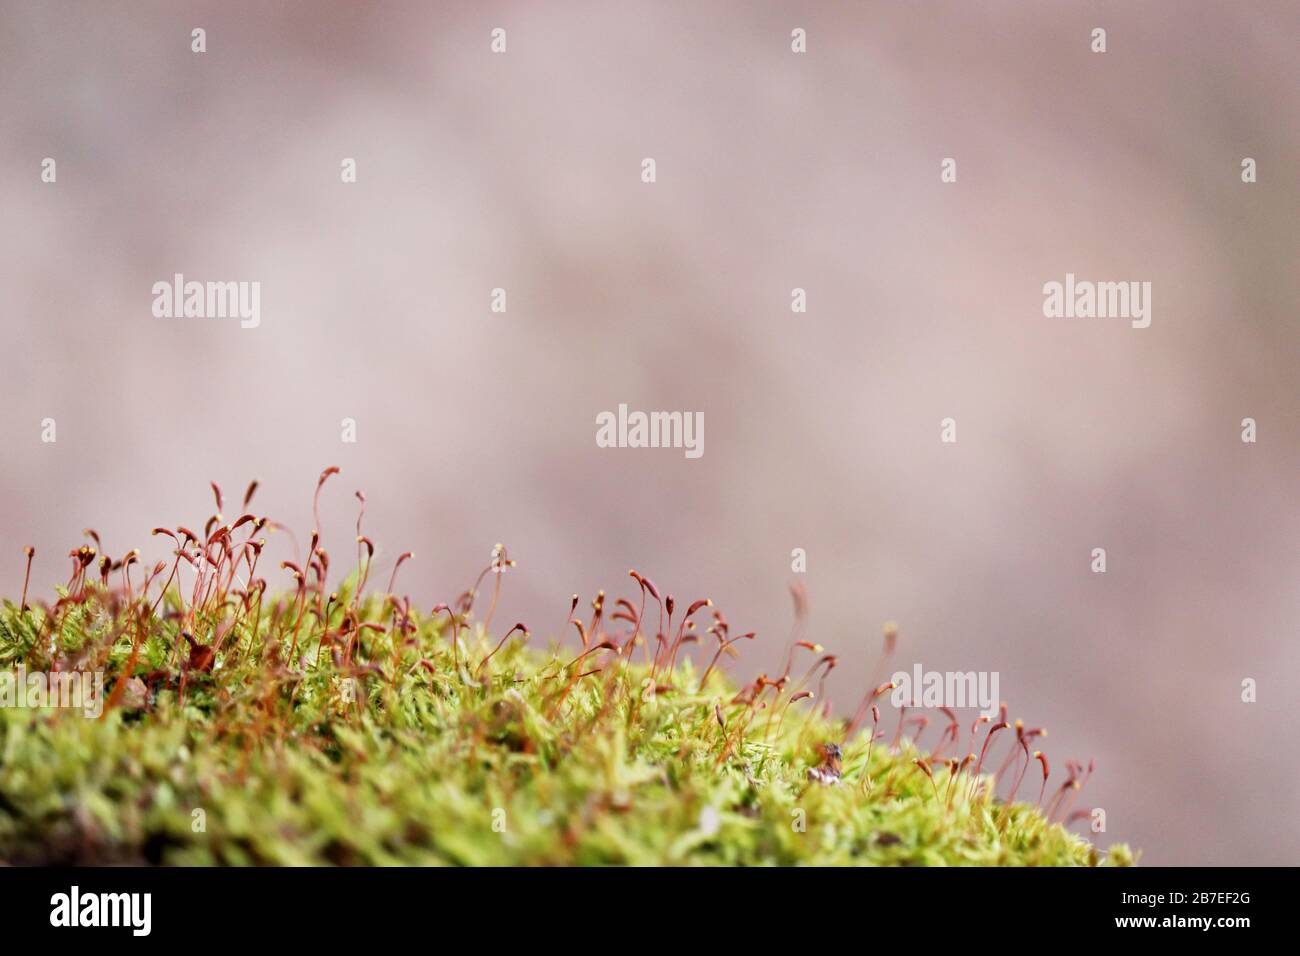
<point>437,759</point>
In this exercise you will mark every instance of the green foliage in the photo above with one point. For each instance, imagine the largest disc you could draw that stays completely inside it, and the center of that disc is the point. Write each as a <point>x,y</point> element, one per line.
<point>389,745</point>
<point>346,727</point>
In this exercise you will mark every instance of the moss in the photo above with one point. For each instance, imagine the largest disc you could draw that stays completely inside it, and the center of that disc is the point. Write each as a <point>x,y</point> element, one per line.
<point>315,728</point>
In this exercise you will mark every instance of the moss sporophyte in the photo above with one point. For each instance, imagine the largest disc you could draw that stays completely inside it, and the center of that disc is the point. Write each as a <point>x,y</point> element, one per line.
<point>295,723</point>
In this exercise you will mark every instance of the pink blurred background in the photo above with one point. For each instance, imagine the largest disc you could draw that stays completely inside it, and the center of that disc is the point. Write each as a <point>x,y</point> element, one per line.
<point>775,171</point>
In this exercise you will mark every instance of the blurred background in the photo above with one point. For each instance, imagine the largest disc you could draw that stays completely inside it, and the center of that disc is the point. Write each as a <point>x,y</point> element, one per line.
<point>775,171</point>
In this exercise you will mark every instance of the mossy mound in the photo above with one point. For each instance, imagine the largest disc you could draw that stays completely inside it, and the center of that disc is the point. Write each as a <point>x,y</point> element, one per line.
<point>324,728</point>
<point>426,764</point>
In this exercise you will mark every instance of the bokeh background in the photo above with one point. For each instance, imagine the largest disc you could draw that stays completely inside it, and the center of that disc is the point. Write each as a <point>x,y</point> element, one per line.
<point>775,170</point>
